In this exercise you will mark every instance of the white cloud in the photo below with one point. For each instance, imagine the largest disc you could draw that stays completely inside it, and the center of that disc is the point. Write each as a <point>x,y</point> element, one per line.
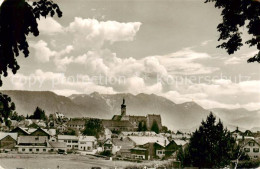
<point>234,60</point>
<point>49,25</point>
<point>42,52</point>
<point>186,62</point>
<point>93,33</point>
<point>65,92</point>
<point>241,59</point>
<point>204,43</point>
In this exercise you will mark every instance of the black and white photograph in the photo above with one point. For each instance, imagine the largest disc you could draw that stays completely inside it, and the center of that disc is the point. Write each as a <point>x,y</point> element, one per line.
<point>129,84</point>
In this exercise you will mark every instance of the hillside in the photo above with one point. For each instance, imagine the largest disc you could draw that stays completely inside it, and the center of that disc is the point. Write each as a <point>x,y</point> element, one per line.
<point>175,116</point>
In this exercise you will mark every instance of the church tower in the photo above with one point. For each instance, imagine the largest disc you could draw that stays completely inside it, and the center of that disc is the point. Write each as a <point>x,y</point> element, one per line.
<point>123,108</point>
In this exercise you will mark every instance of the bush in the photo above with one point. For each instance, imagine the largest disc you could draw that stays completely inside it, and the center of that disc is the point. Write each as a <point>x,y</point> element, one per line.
<point>106,153</point>
<point>249,164</point>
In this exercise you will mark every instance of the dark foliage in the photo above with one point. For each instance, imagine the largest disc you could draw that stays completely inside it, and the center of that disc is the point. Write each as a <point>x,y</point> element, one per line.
<point>15,116</point>
<point>212,145</point>
<point>93,127</point>
<point>70,131</point>
<point>249,164</point>
<point>142,126</point>
<point>155,127</point>
<point>38,114</point>
<point>183,157</point>
<point>166,130</point>
<point>106,153</point>
<point>235,15</point>
<point>6,108</point>
<point>17,20</point>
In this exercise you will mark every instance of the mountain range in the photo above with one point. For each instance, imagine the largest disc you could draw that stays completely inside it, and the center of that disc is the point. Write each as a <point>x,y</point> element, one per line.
<point>186,116</point>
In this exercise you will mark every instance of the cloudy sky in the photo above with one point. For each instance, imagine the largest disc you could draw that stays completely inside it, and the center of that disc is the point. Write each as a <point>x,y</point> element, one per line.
<point>165,47</point>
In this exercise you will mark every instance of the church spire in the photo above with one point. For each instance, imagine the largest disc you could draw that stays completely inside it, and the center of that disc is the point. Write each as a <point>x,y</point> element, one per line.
<point>123,108</point>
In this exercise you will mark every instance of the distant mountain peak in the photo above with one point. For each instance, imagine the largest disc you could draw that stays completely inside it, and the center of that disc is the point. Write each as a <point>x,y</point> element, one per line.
<point>174,116</point>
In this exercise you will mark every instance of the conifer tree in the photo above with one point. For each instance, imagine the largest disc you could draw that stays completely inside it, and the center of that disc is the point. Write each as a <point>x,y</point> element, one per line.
<point>155,127</point>
<point>211,146</point>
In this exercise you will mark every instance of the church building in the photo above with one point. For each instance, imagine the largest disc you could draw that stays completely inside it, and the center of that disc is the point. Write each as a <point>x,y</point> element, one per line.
<point>126,122</point>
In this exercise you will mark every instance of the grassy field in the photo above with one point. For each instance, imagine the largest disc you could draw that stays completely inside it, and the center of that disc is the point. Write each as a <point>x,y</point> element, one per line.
<point>40,161</point>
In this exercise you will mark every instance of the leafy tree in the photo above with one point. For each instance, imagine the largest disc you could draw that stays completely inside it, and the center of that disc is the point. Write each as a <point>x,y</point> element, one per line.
<point>15,116</point>
<point>8,123</point>
<point>17,20</point>
<point>6,108</point>
<point>93,127</point>
<point>155,127</point>
<point>211,146</point>
<point>166,130</point>
<point>179,132</point>
<point>235,15</point>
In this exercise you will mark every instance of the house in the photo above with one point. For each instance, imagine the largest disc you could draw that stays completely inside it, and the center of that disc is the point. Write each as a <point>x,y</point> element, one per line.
<point>40,132</point>
<point>71,141</point>
<point>33,144</point>
<point>77,124</point>
<point>59,115</point>
<point>50,133</point>
<point>237,134</point>
<point>87,143</point>
<point>251,147</point>
<point>155,147</point>
<point>56,146</point>
<point>8,141</point>
<point>149,139</point>
<point>154,150</point>
<point>61,127</point>
<point>181,143</point>
<point>107,133</point>
<point>121,147</point>
<point>173,146</point>
<point>139,153</point>
<point>20,131</point>
<point>108,145</point>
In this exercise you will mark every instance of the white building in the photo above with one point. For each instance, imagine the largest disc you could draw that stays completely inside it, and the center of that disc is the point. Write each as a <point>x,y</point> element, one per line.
<point>251,147</point>
<point>59,115</point>
<point>87,143</point>
<point>32,144</point>
<point>107,133</point>
<point>71,141</point>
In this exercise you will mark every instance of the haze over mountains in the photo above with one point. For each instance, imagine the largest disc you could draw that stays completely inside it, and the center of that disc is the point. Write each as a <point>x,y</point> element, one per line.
<point>175,116</point>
